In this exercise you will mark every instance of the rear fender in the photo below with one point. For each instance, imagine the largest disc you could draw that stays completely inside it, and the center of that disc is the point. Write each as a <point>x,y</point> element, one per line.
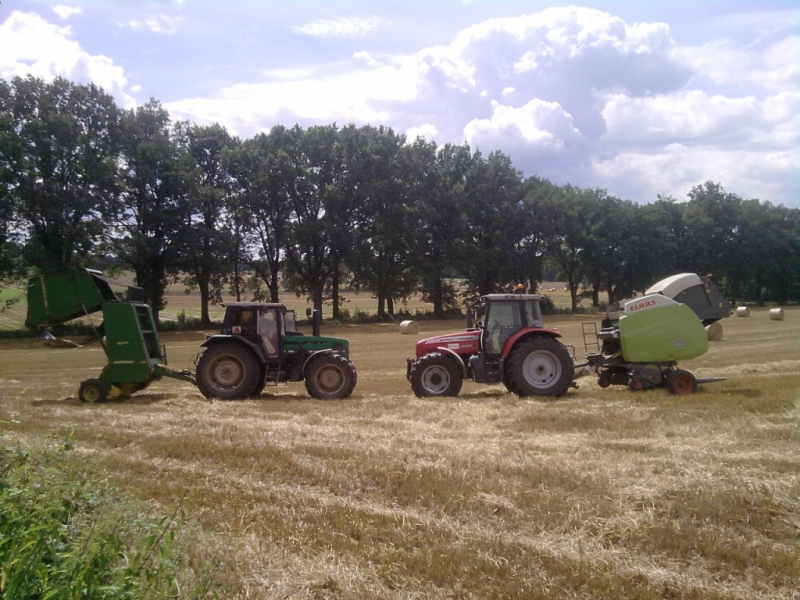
<point>527,332</point>
<point>220,338</point>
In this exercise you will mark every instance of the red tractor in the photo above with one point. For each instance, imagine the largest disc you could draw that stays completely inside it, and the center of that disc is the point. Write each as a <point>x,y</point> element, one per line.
<point>510,345</point>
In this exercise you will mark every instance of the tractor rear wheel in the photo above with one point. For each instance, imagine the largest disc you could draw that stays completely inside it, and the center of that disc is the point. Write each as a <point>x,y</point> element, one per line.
<point>681,383</point>
<point>540,366</point>
<point>331,377</point>
<point>227,371</point>
<point>435,375</point>
<point>93,390</point>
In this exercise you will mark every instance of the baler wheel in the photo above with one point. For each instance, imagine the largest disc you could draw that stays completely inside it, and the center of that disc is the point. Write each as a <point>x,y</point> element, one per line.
<point>435,375</point>
<point>635,384</point>
<point>681,383</point>
<point>93,390</point>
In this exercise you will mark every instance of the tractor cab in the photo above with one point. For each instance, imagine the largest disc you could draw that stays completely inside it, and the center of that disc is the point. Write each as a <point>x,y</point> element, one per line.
<point>503,315</point>
<point>262,324</point>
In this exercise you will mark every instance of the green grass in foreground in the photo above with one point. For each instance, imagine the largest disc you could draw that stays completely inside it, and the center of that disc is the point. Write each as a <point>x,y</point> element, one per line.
<point>61,538</point>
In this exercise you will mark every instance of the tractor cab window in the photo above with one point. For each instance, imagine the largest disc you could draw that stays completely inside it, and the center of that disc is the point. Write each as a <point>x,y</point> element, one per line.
<point>290,318</point>
<point>242,321</point>
<point>533,314</point>
<point>502,320</point>
<point>268,330</point>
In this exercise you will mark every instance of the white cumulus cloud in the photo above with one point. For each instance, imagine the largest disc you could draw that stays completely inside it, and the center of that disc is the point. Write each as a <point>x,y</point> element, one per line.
<point>345,27</point>
<point>65,12</point>
<point>156,24</point>
<point>29,45</point>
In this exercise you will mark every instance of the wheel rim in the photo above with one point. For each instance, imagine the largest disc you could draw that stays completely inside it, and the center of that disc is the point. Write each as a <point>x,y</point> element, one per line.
<point>541,369</point>
<point>435,380</point>
<point>330,379</point>
<point>682,385</point>
<point>91,393</point>
<point>227,373</point>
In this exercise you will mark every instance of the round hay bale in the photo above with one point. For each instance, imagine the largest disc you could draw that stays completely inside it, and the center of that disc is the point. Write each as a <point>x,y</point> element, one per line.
<point>714,332</point>
<point>743,311</point>
<point>409,327</point>
<point>776,314</point>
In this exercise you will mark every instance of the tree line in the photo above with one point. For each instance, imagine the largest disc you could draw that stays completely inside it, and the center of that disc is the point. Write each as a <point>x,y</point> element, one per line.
<point>84,182</point>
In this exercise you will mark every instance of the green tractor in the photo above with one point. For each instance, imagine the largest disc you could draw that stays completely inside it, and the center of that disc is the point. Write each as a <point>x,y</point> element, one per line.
<point>260,345</point>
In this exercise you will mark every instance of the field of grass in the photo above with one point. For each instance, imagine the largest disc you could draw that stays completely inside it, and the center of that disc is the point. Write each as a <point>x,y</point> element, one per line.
<point>604,493</point>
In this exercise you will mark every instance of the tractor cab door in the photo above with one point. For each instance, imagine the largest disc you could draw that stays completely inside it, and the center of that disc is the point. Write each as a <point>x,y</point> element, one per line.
<point>268,327</point>
<point>502,320</point>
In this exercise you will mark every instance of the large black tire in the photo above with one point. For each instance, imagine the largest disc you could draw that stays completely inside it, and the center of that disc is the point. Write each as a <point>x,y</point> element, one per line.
<point>681,383</point>
<point>331,377</point>
<point>540,366</point>
<point>228,371</point>
<point>435,375</point>
<point>262,382</point>
<point>508,381</point>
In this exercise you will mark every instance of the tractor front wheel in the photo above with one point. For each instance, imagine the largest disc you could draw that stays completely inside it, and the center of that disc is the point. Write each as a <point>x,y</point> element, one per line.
<point>435,375</point>
<point>540,366</point>
<point>681,383</point>
<point>93,390</point>
<point>331,377</point>
<point>228,371</point>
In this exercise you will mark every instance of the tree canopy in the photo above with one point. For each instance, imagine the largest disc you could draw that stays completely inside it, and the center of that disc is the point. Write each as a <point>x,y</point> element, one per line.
<point>84,183</point>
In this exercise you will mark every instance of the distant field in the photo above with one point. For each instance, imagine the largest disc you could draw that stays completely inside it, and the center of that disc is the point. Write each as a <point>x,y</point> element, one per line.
<point>605,493</point>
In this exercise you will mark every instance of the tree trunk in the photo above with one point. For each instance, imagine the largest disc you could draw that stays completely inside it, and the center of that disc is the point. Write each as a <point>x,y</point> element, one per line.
<point>573,294</point>
<point>236,287</point>
<point>317,294</point>
<point>273,284</point>
<point>438,301</point>
<point>203,285</point>
<point>381,304</point>
<point>335,291</point>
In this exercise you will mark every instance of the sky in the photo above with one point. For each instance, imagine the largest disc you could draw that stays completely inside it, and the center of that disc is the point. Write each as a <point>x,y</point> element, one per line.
<point>641,99</point>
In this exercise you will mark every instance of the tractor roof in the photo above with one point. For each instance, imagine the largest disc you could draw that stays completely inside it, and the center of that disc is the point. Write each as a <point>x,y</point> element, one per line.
<point>254,305</point>
<point>519,297</point>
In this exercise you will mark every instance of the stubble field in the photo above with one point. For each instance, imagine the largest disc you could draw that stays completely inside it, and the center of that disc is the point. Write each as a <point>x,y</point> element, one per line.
<point>602,494</point>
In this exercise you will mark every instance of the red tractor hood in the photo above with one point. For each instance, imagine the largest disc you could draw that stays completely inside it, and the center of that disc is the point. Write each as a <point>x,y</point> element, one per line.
<point>465,342</point>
